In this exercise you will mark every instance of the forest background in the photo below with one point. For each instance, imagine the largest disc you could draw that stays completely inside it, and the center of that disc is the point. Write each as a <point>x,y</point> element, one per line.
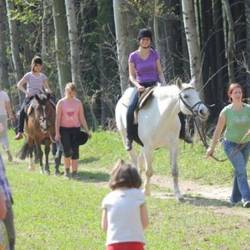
<point>88,42</point>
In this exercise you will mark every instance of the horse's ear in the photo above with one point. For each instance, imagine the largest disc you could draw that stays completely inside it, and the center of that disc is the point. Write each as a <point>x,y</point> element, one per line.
<point>178,82</point>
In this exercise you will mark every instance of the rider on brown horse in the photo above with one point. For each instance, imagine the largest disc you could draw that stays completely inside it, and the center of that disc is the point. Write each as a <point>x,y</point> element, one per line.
<point>31,84</point>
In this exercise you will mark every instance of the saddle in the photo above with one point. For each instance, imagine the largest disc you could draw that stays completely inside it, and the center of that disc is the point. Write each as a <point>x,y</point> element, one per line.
<point>144,97</point>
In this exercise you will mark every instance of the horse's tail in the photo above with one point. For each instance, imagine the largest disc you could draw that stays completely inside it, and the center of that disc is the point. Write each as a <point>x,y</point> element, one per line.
<point>24,151</point>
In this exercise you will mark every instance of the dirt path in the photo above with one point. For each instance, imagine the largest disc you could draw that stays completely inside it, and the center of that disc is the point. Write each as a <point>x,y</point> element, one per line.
<point>211,196</point>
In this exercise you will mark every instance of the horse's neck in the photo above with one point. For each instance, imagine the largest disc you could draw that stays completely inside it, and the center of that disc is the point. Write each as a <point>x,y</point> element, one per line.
<point>168,99</point>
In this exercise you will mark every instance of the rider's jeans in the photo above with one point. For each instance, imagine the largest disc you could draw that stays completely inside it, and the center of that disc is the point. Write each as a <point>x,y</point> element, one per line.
<point>238,155</point>
<point>130,113</point>
<point>22,114</point>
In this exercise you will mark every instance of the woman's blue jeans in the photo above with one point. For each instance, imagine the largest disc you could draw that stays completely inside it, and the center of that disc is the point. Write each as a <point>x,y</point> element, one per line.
<point>238,155</point>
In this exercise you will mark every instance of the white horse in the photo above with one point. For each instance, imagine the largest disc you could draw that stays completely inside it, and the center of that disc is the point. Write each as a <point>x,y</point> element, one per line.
<point>159,125</point>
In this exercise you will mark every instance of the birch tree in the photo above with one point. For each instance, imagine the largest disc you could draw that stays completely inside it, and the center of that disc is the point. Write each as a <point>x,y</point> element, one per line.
<point>229,39</point>
<point>61,48</point>
<point>124,40</point>
<point>247,14</point>
<point>192,42</point>
<point>4,80</point>
<point>18,69</point>
<point>73,41</point>
<point>45,33</point>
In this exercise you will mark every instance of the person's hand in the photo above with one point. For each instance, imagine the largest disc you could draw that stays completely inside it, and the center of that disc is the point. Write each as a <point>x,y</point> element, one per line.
<point>57,137</point>
<point>210,152</point>
<point>89,134</point>
<point>28,94</point>
<point>140,88</point>
<point>48,91</point>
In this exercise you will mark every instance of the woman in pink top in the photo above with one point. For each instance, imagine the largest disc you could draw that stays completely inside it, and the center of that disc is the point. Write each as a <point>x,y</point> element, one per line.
<point>69,118</point>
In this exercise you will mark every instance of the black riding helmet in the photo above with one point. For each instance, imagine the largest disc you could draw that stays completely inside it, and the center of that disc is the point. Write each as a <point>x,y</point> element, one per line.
<point>37,60</point>
<point>144,33</point>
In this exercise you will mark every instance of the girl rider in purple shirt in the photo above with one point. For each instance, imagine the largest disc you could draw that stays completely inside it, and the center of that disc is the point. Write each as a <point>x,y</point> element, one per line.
<point>144,71</point>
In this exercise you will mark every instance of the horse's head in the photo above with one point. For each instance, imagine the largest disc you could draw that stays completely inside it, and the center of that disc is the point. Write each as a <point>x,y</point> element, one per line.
<point>43,112</point>
<point>190,102</point>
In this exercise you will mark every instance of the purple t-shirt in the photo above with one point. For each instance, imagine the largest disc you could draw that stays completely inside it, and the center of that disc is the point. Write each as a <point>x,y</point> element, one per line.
<point>146,70</point>
<point>34,83</point>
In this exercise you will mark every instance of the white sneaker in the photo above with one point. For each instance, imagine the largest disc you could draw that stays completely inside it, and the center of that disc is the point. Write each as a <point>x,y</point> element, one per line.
<point>246,204</point>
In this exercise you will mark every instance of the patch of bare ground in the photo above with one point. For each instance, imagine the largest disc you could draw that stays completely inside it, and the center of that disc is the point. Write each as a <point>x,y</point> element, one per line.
<point>214,197</point>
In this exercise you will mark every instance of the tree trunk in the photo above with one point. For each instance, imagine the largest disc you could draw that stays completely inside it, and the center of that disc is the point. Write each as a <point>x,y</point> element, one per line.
<point>18,69</point>
<point>230,39</point>
<point>45,33</point>
<point>61,34</point>
<point>123,21</point>
<point>192,42</point>
<point>4,79</point>
<point>73,41</point>
<point>247,14</point>
<point>13,33</point>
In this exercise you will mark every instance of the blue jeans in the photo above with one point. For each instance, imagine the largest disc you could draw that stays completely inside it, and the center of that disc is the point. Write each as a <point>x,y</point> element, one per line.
<point>238,155</point>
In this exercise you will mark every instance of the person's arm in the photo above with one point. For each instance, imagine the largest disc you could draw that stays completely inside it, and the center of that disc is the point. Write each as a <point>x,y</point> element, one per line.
<point>3,209</point>
<point>46,86</point>
<point>82,119</point>
<point>217,133</point>
<point>9,110</point>
<point>160,72</point>
<point>132,76</point>
<point>20,85</point>
<point>144,215</point>
<point>58,119</point>
<point>104,222</point>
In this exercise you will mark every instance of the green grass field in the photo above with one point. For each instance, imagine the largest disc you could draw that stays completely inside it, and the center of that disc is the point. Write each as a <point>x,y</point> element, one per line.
<point>55,213</point>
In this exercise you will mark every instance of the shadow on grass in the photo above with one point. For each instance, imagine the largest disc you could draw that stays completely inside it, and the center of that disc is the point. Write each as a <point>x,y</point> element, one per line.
<point>87,176</point>
<point>205,202</point>
<point>88,160</point>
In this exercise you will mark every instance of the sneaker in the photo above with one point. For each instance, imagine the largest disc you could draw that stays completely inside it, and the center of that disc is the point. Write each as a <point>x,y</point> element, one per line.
<point>75,175</point>
<point>19,136</point>
<point>67,173</point>
<point>246,204</point>
<point>128,144</point>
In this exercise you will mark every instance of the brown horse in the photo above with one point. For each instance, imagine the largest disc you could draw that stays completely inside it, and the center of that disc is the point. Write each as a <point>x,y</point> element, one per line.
<point>39,130</point>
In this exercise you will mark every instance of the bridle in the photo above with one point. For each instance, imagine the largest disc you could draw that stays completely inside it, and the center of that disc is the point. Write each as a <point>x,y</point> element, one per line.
<point>195,115</point>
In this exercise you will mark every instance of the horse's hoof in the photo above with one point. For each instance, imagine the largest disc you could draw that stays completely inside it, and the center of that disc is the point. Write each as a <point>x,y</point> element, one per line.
<point>47,172</point>
<point>180,198</point>
<point>57,173</point>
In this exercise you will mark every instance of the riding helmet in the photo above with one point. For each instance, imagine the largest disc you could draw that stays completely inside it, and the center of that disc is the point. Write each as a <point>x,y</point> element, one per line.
<point>144,33</point>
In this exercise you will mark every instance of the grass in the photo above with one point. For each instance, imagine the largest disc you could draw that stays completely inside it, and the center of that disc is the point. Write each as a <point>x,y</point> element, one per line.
<point>54,213</point>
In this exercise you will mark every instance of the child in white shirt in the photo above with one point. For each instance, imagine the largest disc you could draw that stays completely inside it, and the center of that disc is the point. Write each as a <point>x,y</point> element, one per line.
<point>124,214</point>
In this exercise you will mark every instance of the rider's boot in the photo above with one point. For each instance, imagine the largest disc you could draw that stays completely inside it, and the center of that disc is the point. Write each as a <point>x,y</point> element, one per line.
<point>128,144</point>
<point>19,136</point>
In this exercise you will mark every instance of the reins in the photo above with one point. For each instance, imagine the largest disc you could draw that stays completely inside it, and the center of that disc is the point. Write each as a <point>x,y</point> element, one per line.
<point>194,115</point>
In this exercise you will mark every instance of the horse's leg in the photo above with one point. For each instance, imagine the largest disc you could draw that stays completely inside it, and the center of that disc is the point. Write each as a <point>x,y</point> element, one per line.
<point>40,156</point>
<point>47,150</point>
<point>174,168</point>
<point>58,157</point>
<point>31,160</point>
<point>147,153</point>
<point>133,156</point>
<point>140,163</point>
